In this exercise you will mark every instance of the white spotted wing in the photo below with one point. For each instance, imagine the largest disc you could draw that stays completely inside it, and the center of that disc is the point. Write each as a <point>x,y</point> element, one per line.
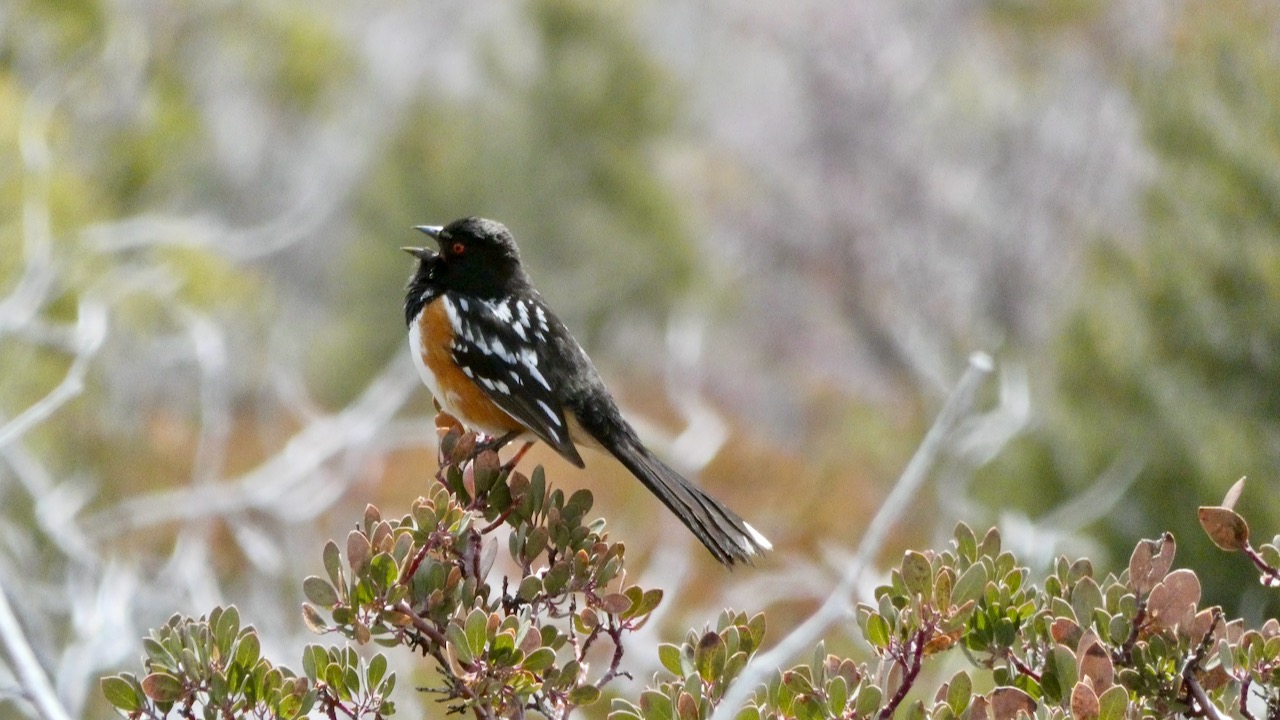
<point>501,345</point>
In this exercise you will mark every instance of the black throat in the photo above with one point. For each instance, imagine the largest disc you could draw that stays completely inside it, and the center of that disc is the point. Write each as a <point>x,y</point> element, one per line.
<point>423,288</point>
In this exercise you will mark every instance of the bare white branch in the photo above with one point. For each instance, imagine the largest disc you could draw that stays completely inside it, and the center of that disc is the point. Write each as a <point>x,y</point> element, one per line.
<point>91,330</point>
<point>35,682</point>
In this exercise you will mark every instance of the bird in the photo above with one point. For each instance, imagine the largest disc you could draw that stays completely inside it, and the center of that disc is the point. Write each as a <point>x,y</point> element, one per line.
<point>496,358</point>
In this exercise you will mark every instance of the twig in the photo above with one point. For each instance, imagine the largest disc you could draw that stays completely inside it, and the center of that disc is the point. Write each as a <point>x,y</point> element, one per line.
<point>1204,706</point>
<point>1021,666</point>
<point>419,624</point>
<point>264,486</point>
<point>1244,698</point>
<point>910,671</point>
<point>1271,572</point>
<point>836,606</point>
<point>615,634</point>
<point>1124,655</point>
<point>22,660</point>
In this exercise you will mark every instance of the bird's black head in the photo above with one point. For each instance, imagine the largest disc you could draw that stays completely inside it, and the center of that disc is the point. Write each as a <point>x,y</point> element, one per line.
<point>477,257</point>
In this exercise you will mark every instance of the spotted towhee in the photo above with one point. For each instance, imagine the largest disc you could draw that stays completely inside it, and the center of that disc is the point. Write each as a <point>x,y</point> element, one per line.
<point>498,360</point>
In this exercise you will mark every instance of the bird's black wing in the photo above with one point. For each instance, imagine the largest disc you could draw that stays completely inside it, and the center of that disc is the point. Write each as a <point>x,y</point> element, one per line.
<point>503,346</point>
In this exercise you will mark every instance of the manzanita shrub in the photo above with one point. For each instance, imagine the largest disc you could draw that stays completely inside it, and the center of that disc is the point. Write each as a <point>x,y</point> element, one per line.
<point>1075,645</point>
<point>542,634</point>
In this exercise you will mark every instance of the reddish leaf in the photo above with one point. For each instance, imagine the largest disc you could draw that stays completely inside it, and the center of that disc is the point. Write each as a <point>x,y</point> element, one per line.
<point>1172,599</point>
<point>1096,666</point>
<point>1084,702</point>
<point>1225,527</point>
<point>1007,702</point>
<point>1150,562</point>
<point>162,687</point>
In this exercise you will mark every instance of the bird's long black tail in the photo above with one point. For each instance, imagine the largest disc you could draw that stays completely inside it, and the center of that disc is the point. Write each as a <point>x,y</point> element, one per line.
<point>729,538</point>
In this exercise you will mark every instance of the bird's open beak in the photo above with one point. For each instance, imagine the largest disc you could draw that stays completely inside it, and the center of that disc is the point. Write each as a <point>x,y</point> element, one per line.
<point>425,253</point>
<point>419,252</point>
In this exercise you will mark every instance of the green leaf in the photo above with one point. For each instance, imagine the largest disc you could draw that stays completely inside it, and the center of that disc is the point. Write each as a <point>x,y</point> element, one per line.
<point>383,570</point>
<point>537,489</point>
<point>990,544</point>
<point>121,693</point>
<point>248,650</point>
<point>584,695</point>
<point>837,695</point>
<point>477,624</point>
<point>536,542</point>
<point>456,638</point>
<point>656,706</point>
<point>1086,597</point>
<point>1113,704</point>
<point>226,628</point>
<point>710,656</point>
<point>648,602</point>
<point>669,656</point>
<point>808,707</point>
<point>756,627</point>
<point>620,709</point>
<point>578,504</point>
<point>917,575</point>
<point>878,631</point>
<point>959,692</point>
<point>556,578</point>
<point>162,687</point>
<point>868,701</point>
<point>314,662</point>
<point>377,669</point>
<point>539,660</point>
<point>319,591</point>
<point>971,584</point>
<point>966,542</point>
<point>333,563</point>
<point>1059,674</point>
<point>530,587</point>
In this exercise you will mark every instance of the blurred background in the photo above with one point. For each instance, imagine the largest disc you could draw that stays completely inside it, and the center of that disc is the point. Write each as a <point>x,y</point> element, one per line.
<point>780,232</point>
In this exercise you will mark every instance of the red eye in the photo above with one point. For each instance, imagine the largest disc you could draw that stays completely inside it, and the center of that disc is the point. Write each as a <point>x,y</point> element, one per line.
<point>458,248</point>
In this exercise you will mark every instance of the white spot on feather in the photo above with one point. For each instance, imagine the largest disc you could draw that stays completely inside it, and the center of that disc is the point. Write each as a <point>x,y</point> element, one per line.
<point>555,419</point>
<point>454,321</point>
<point>760,540</point>
<point>529,359</point>
<point>501,351</point>
<point>502,311</point>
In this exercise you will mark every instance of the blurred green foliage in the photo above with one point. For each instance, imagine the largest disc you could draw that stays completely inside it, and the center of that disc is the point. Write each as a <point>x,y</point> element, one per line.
<point>1173,355</point>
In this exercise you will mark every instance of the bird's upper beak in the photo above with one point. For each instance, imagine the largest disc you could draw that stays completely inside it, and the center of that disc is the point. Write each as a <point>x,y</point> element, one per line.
<point>425,253</point>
